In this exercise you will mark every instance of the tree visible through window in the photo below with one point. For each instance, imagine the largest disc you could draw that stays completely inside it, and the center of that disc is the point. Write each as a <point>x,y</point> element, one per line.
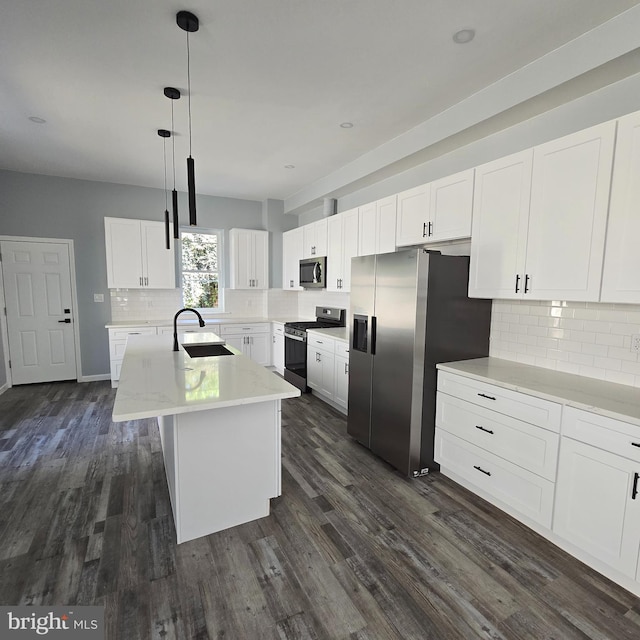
<point>200,269</point>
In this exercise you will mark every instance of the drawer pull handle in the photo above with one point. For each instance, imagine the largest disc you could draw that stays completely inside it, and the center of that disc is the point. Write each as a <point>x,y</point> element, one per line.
<point>487,473</point>
<point>483,429</point>
<point>484,395</point>
<point>635,444</point>
<point>634,492</point>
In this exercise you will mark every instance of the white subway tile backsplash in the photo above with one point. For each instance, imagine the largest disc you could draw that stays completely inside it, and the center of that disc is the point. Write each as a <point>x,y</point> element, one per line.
<point>584,338</point>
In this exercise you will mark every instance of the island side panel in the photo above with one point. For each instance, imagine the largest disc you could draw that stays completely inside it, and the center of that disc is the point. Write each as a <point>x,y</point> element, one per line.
<point>227,467</point>
<point>168,442</point>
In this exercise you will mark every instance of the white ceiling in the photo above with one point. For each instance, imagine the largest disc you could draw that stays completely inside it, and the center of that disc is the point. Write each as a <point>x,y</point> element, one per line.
<point>271,81</point>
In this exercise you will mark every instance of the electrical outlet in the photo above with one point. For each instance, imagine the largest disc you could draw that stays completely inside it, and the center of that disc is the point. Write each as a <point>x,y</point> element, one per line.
<point>635,343</point>
<point>98,297</point>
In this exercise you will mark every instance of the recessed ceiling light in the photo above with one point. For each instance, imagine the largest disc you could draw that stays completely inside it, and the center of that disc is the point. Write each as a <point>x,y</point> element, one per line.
<point>289,166</point>
<point>37,120</point>
<point>463,36</point>
<point>346,125</point>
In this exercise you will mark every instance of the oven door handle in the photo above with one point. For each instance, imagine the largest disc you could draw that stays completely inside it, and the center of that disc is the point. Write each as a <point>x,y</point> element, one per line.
<point>290,337</point>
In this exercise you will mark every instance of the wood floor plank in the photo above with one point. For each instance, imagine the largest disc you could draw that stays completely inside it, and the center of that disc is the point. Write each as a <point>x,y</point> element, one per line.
<point>351,550</point>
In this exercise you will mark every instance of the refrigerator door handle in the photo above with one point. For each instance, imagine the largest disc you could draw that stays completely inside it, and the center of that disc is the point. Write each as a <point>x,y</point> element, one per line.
<point>374,332</point>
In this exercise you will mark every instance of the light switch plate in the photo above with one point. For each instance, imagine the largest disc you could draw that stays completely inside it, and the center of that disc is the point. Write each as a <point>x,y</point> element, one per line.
<point>98,297</point>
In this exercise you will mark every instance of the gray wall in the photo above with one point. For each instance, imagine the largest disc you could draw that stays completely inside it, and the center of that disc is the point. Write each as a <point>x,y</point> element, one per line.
<point>50,207</point>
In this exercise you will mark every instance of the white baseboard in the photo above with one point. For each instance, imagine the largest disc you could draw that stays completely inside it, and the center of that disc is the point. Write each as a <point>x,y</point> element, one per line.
<point>96,378</point>
<point>4,387</point>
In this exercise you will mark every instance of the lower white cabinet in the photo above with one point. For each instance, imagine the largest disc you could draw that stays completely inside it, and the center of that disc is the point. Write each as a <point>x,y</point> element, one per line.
<point>277,347</point>
<point>598,501</point>
<point>328,368</point>
<point>252,339</point>
<point>501,442</point>
<point>342,374</point>
<point>118,343</point>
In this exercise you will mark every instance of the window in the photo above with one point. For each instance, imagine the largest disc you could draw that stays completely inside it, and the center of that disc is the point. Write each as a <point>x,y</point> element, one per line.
<point>201,268</point>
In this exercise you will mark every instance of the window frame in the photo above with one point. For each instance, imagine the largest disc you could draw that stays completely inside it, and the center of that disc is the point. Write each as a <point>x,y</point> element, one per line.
<point>219,233</point>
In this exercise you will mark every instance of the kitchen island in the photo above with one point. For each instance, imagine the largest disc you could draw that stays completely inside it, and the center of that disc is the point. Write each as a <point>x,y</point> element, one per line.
<point>219,422</point>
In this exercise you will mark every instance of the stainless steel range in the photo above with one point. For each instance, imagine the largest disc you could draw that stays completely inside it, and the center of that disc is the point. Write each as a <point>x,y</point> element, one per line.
<point>295,343</point>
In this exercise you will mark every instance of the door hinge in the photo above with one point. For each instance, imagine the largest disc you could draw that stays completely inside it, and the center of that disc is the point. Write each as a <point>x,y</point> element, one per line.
<point>9,364</point>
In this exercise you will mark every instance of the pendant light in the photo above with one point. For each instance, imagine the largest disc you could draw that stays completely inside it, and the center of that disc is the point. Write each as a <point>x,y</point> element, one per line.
<point>164,134</point>
<point>189,23</point>
<point>174,94</point>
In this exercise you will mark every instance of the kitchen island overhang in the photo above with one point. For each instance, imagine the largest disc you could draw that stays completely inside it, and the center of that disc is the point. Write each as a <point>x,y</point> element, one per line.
<point>219,420</point>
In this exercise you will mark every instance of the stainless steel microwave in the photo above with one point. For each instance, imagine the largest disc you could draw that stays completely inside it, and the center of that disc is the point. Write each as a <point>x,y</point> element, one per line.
<point>313,273</point>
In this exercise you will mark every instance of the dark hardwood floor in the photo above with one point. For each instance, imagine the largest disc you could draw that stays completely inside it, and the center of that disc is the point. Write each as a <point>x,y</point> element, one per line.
<point>351,549</point>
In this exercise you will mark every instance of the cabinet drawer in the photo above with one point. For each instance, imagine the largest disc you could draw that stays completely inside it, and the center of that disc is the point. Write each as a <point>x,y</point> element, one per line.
<point>326,344</point>
<point>615,436</point>
<point>523,444</point>
<point>521,490</point>
<point>521,406</point>
<point>123,334</point>
<point>342,348</point>
<point>250,327</point>
<point>278,328</point>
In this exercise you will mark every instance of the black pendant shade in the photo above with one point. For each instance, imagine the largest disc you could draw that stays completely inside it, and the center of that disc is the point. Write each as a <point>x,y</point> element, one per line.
<point>191,183</point>
<point>188,22</point>
<point>176,223</point>
<point>164,134</point>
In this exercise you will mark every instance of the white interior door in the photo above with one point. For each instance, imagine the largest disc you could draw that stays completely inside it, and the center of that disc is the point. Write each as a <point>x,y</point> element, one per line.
<point>37,285</point>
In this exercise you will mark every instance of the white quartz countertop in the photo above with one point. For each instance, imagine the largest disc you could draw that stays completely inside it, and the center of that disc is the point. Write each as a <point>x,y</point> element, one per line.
<point>617,401</point>
<point>189,320</point>
<point>156,381</point>
<point>337,333</point>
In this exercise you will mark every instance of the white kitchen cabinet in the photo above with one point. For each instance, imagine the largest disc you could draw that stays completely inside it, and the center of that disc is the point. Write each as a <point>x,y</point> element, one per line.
<point>277,346</point>
<point>118,343</point>
<point>314,238</point>
<point>249,258</point>
<point>539,220</point>
<point>621,273</point>
<point>341,395</point>
<point>377,226</point>
<point>502,443</point>
<point>321,365</point>
<point>292,242</point>
<point>137,257</point>
<point>437,211</point>
<point>342,246</point>
<point>597,503</point>
<point>252,339</point>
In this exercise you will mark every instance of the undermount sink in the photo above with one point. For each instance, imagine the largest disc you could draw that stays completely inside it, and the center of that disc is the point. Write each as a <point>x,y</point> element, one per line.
<point>204,350</point>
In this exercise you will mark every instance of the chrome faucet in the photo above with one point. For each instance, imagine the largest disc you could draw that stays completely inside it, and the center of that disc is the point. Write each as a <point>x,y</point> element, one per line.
<point>175,325</point>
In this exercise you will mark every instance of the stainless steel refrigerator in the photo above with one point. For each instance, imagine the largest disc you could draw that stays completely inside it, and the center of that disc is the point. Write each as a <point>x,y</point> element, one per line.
<point>409,311</point>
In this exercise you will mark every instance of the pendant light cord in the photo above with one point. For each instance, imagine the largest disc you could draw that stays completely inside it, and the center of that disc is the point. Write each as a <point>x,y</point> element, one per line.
<point>189,87</point>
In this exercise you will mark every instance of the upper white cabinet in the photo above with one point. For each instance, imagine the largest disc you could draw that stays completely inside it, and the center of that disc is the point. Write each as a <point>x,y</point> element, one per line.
<point>137,257</point>
<point>434,212</point>
<point>342,246</point>
<point>249,257</point>
<point>291,256</point>
<point>557,254</point>
<point>499,230</point>
<point>315,239</point>
<point>621,275</point>
<point>377,226</point>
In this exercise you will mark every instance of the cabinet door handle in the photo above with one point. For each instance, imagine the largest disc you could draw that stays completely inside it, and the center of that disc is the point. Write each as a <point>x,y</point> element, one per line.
<point>140,278</point>
<point>65,321</point>
<point>424,229</point>
<point>273,339</point>
<point>527,277</point>
<point>517,282</point>
<point>291,283</point>
<point>634,492</point>
<point>481,470</point>
<point>430,228</point>
<point>483,429</point>
<point>484,395</point>
<point>346,368</point>
<point>635,444</point>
